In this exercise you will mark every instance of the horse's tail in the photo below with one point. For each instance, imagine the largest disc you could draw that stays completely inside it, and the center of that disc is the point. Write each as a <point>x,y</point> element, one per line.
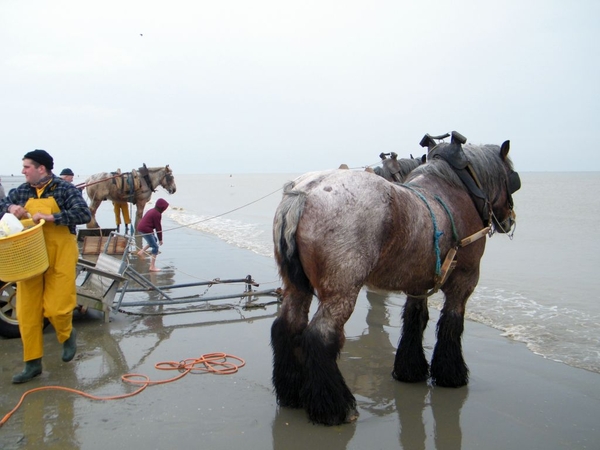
<point>285,224</point>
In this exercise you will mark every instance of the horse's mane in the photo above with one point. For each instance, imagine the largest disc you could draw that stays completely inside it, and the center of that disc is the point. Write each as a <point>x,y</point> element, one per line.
<point>485,160</point>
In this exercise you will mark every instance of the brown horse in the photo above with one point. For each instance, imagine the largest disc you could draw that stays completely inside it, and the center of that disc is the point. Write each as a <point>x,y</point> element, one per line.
<point>133,187</point>
<point>337,231</point>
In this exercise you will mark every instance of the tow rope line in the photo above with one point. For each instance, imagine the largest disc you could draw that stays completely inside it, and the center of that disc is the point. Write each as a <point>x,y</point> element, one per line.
<point>217,363</point>
<point>219,215</point>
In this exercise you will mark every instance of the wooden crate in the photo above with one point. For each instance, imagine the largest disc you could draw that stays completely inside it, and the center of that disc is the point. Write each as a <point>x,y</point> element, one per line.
<point>83,232</point>
<point>94,245</point>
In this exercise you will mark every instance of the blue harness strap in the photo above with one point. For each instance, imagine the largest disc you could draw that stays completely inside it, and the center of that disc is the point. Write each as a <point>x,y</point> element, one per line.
<point>454,232</point>
<point>131,184</point>
<point>436,233</point>
<point>449,261</point>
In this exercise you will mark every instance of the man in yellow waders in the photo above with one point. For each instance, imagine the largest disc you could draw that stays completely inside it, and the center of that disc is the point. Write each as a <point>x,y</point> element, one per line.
<point>52,294</point>
<point>120,207</point>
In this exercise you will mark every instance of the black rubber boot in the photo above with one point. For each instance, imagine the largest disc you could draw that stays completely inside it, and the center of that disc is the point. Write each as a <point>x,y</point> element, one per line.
<point>119,228</point>
<point>32,369</point>
<point>70,347</point>
<point>126,229</point>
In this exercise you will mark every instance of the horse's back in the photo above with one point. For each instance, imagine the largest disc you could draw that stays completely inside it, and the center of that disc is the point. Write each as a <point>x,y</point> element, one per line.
<point>343,194</point>
<point>361,229</point>
<point>343,225</point>
<point>98,185</point>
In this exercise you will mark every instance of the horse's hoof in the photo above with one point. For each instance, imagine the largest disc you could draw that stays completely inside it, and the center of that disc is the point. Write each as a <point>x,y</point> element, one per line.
<point>414,376</point>
<point>441,382</point>
<point>352,415</point>
<point>409,379</point>
<point>445,377</point>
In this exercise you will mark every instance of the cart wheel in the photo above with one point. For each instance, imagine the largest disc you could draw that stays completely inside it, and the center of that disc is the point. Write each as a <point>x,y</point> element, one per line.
<point>9,326</point>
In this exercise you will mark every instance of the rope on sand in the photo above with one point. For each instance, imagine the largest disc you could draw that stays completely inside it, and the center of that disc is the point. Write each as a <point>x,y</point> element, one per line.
<point>217,363</point>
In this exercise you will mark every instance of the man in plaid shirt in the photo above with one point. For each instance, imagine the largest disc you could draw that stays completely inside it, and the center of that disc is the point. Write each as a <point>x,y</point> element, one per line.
<point>52,294</point>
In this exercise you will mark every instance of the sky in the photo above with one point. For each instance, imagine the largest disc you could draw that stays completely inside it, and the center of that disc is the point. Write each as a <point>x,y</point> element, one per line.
<point>238,86</point>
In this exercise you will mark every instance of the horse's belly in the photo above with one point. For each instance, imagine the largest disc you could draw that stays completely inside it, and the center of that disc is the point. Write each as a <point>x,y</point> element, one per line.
<point>403,275</point>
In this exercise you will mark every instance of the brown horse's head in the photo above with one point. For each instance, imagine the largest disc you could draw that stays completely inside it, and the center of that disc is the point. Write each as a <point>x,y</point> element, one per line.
<point>503,215</point>
<point>167,181</point>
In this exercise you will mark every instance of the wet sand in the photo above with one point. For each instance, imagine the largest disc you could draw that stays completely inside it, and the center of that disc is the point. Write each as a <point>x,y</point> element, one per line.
<point>515,399</point>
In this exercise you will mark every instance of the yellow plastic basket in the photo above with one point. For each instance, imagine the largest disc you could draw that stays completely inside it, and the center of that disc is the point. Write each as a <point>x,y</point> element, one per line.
<point>23,255</point>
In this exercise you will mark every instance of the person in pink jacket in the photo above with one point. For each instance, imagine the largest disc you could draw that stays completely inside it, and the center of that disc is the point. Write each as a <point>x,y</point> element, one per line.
<point>150,223</point>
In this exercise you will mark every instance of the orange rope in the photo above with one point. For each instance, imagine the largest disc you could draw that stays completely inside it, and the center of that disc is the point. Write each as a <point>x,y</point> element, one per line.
<point>217,363</point>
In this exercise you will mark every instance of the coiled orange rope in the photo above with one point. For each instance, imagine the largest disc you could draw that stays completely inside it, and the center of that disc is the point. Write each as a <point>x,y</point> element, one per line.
<point>217,363</point>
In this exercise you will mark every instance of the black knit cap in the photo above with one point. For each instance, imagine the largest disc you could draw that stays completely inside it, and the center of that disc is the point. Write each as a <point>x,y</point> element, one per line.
<point>41,157</point>
<point>66,171</point>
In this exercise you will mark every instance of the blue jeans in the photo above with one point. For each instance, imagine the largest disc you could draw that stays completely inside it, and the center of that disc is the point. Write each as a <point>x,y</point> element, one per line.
<point>152,242</point>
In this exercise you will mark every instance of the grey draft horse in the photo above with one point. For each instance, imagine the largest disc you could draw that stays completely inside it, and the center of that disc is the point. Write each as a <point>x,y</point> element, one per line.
<point>336,231</point>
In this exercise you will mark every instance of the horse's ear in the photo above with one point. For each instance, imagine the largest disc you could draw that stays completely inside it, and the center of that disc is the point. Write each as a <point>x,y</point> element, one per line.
<point>423,159</point>
<point>504,150</point>
<point>145,166</point>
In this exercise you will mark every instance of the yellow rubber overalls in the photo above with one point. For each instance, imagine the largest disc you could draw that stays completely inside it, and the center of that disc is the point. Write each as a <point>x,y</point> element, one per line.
<point>52,294</point>
<point>118,208</point>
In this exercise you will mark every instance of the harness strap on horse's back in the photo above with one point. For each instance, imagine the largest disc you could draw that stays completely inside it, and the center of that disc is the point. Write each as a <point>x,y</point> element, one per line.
<point>127,183</point>
<point>443,272</point>
<point>455,156</point>
<point>117,180</point>
<point>436,233</point>
<point>145,173</point>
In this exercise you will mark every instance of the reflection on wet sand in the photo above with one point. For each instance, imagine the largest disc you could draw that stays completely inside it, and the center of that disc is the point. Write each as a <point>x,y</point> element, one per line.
<point>304,435</point>
<point>46,424</point>
<point>367,367</point>
<point>55,419</point>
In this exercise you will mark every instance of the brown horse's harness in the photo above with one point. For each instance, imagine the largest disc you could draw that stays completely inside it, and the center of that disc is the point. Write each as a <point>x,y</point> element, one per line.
<point>453,154</point>
<point>129,183</point>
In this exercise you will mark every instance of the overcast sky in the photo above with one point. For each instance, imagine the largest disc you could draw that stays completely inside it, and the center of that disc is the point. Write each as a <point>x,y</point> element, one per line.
<point>276,86</point>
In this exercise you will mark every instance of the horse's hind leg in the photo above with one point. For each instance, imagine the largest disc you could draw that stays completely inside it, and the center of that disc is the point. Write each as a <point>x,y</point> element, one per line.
<point>325,394</point>
<point>448,367</point>
<point>410,365</point>
<point>93,208</point>
<point>286,336</point>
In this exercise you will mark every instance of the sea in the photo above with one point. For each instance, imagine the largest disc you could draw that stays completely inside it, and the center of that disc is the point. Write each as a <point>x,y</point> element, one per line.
<point>541,287</point>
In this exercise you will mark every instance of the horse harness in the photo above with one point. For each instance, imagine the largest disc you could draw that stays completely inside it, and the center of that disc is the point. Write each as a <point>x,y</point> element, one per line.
<point>126,183</point>
<point>129,182</point>
<point>454,155</point>
<point>443,270</point>
<point>392,165</point>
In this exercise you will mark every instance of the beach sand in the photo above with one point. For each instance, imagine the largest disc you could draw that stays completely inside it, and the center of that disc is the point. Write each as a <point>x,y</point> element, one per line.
<point>515,399</point>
